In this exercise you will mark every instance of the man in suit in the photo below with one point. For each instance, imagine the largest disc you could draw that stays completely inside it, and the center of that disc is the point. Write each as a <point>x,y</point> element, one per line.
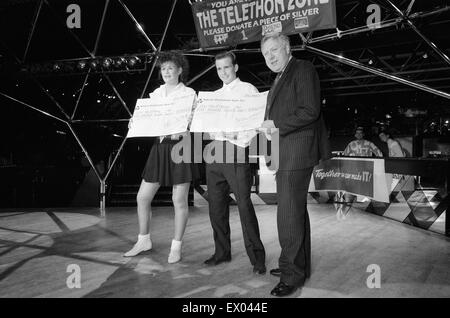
<point>233,171</point>
<point>293,107</point>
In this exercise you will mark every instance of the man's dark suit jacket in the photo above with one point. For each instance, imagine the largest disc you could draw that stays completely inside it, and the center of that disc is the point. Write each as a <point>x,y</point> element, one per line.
<point>294,106</point>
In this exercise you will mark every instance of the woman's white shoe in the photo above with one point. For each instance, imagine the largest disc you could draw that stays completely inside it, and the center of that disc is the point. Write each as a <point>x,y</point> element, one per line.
<point>143,244</point>
<point>175,252</point>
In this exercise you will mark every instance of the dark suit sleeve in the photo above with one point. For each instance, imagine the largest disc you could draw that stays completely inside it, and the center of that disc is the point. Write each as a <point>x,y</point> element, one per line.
<point>307,100</point>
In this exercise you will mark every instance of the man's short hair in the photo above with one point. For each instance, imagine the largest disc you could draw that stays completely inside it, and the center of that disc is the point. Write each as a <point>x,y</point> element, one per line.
<point>276,36</point>
<point>226,54</point>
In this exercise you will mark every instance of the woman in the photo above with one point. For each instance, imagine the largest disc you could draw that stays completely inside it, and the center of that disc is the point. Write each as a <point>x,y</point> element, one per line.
<point>160,170</point>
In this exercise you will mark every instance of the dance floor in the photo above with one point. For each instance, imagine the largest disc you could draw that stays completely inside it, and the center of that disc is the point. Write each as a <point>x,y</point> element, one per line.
<point>42,250</point>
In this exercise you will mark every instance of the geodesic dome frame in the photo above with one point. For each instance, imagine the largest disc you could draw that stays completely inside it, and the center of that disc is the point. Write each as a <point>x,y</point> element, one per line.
<point>401,16</point>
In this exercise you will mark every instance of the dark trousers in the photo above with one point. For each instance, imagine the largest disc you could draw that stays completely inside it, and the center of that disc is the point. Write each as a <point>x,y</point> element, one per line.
<point>237,176</point>
<point>293,226</point>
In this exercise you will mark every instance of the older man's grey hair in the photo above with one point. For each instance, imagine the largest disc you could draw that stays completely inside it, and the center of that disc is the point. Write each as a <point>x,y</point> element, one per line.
<point>276,36</point>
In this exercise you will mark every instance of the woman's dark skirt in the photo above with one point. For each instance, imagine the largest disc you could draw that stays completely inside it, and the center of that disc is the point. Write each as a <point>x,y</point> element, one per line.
<point>161,168</point>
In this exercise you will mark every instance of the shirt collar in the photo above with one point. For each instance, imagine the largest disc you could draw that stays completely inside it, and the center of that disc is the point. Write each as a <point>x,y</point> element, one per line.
<point>179,85</point>
<point>232,84</point>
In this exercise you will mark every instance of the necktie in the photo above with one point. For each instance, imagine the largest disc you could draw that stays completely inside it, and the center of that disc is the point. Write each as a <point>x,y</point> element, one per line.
<point>277,78</point>
<point>269,97</point>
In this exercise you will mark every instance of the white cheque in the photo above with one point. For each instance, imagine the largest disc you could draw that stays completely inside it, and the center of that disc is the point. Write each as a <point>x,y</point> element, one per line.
<point>228,113</point>
<point>160,116</point>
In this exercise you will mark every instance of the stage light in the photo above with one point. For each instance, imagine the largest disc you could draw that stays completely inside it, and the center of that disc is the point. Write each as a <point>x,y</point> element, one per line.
<point>370,62</point>
<point>132,61</point>
<point>425,55</point>
<point>107,62</point>
<point>118,62</point>
<point>93,64</point>
<point>56,67</point>
<point>81,65</point>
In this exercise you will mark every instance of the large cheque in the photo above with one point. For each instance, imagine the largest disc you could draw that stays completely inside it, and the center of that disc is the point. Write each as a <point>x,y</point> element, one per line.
<point>225,112</point>
<point>160,116</point>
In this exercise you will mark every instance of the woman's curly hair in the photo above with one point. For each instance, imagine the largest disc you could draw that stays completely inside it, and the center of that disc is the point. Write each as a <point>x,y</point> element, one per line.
<point>178,59</point>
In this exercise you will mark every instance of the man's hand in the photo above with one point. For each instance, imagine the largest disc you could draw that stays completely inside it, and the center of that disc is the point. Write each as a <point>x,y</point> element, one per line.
<point>268,124</point>
<point>268,128</point>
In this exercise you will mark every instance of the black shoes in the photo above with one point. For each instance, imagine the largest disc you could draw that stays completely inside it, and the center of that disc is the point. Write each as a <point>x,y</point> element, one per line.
<point>283,289</point>
<point>213,261</point>
<point>260,270</point>
<point>275,272</point>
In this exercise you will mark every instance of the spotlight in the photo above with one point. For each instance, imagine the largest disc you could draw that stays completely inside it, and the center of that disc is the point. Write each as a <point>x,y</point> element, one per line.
<point>132,61</point>
<point>93,64</point>
<point>107,62</point>
<point>425,55</point>
<point>81,65</point>
<point>119,62</point>
<point>56,67</point>
<point>370,62</point>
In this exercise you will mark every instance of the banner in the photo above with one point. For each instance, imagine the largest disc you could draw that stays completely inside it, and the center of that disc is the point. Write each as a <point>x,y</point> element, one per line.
<point>357,176</point>
<point>220,112</point>
<point>230,22</point>
<point>159,116</point>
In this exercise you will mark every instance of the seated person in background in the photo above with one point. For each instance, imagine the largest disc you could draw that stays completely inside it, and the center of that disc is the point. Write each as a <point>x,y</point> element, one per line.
<point>395,150</point>
<point>361,147</point>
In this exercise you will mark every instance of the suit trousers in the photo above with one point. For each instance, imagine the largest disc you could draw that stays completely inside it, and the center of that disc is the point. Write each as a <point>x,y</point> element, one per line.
<point>293,225</point>
<point>237,176</point>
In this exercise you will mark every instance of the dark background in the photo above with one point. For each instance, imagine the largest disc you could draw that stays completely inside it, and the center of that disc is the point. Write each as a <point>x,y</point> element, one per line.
<point>35,71</point>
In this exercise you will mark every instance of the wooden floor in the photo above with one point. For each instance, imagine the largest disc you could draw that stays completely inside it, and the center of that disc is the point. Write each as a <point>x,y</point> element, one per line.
<point>36,248</point>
